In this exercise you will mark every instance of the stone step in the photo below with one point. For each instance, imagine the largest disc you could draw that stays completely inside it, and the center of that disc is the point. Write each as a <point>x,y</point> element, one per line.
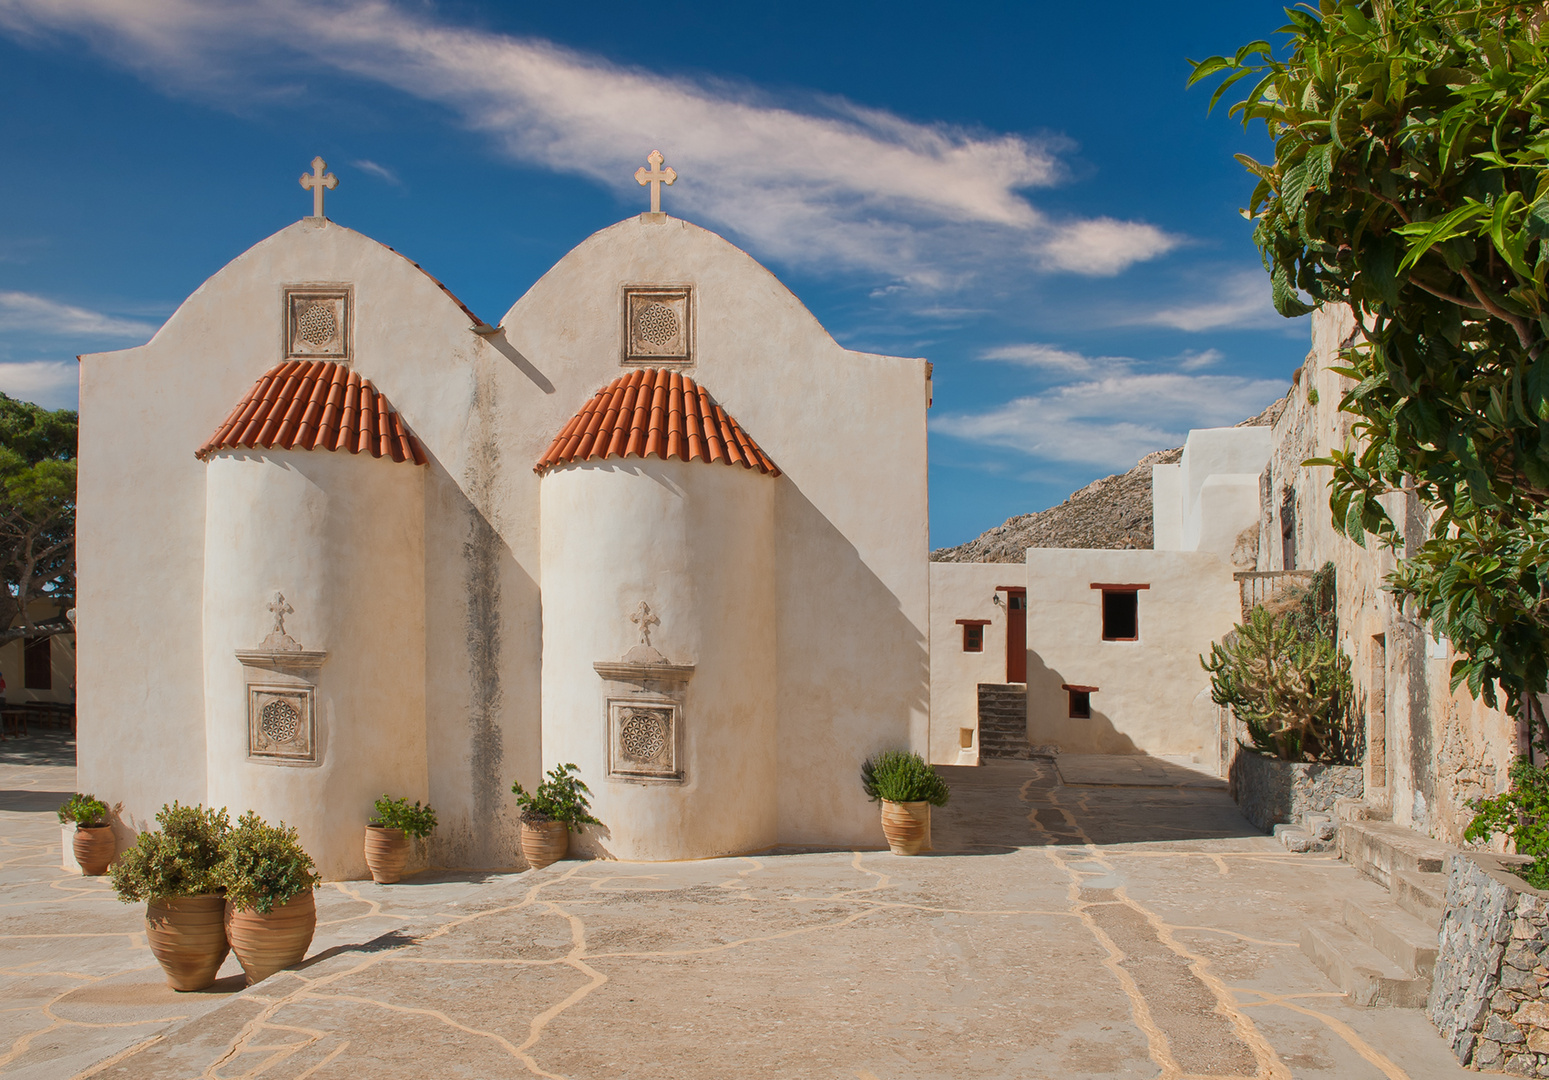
<point>1380,848</point>
<point>1365,975</point>
<point>1422,895</point>
<point>1299,840</point>
<point>1321,826</point>
<point>1395,933</point>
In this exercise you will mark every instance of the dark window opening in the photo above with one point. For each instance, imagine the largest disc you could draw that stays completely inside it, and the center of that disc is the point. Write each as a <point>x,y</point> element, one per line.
<point>1121,615</point>
<point>1288,530</point>
<point>1081,704</point>
<point>1016,602</point>
<point>38,669</point>
<point>973,637</point>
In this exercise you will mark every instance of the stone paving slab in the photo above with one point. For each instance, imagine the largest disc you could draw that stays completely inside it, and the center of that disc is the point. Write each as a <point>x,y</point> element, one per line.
<point>1135,770</point>
<point>1057,931</point>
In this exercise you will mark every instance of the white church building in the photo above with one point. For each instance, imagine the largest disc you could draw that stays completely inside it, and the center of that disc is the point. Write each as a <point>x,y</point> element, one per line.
<point>339,537</point>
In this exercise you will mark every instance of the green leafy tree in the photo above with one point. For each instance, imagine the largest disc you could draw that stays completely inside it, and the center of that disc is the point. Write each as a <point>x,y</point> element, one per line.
<point>1410,180</point>
<point>37,511</point>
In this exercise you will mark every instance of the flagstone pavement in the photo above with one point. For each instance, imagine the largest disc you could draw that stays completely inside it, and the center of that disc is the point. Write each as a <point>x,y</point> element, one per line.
<point>1119,921</point>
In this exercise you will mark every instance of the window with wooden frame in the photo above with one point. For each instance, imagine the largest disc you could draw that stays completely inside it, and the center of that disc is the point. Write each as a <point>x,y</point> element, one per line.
<point>1121,610</point>
<point>1080,701</point>
<point>38,664</point>
<point>973,634</point>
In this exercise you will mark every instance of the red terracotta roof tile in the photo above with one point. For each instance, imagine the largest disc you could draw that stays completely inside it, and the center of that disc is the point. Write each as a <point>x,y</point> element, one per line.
<point>315,405</point>
<point>654,413</point>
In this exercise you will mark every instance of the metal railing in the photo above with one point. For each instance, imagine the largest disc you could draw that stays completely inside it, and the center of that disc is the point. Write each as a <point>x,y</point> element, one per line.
<point>1257,587</point>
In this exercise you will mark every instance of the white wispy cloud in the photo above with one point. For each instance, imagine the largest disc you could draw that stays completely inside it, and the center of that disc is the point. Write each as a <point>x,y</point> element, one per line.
<point>1113,421</point>
<point>381,172</point>
<point>54,384</point>
<point>30,313</point>
<point>1047,357</point>
<point>824,183</point>
<point>1241,300</point>
<point>1196,361</point>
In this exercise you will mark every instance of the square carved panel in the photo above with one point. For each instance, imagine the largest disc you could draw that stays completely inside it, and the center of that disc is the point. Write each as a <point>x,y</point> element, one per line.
<point>280,724</point>
<point>317,322</point>
<point>658,326</point>
<point>643,738</point>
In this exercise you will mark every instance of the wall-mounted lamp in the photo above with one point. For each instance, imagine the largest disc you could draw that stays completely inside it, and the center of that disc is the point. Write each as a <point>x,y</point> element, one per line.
<point>997,601</point>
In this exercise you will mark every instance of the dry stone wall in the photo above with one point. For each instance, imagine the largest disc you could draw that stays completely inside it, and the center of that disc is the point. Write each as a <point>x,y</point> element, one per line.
<point>1271,792</point>
<point>1488,995</point>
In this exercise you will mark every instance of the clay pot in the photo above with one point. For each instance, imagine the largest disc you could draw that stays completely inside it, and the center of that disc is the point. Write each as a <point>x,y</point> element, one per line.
<point>387,850</point>
<point>906,826</point>
<point>544,843</point>
<point>266,943</point>
<point>94,847</point>
<point>187,935</point>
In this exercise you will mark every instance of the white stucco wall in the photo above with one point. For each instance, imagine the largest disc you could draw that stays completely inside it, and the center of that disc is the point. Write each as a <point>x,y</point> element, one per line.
<point>964,591</point>
<point>342,537</point>
<point>1148,689</point>
<point>1206,500</point>
<point>695,542</point>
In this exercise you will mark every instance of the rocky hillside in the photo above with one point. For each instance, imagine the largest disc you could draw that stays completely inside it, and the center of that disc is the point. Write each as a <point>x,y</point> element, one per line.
<point>1114,512</point>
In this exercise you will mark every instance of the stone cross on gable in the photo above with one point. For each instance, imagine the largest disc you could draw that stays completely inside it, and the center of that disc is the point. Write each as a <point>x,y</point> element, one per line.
<point>645,619</point>
<point>317,180</point>
<point>656,176</point>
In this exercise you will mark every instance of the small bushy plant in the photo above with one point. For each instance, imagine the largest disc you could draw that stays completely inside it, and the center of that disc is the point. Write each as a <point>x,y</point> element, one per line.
<point>87,811</point>
<point>903,776</point>
<point>262,866</point>
<point>1287,680</point>
<point>1521,814</point>
<point>177,860</point>
<point>414,820</point>
<point>562,797</point>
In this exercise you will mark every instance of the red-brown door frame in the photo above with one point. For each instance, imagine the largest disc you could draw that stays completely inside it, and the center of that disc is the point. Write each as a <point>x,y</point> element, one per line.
<point>1016,632</point>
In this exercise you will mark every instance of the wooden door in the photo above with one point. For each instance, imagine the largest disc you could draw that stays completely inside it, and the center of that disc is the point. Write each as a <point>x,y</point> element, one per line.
<point>1016,635</point>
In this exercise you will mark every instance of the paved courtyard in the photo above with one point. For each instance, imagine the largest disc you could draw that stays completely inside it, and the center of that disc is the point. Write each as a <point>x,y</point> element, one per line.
<point>1102,918</point>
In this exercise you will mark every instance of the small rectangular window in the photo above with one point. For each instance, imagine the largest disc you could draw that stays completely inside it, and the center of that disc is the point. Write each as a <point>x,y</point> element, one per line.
<point>38,668</point>
<point>1121,615</point>
<point>973,634</point>
<point>1081,704</point>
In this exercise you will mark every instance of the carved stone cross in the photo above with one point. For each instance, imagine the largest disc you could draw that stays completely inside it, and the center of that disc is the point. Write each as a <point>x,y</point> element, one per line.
<point>279,609</point>
<point>656,176</point>
<point>317,180</point>
<point>645,619</point>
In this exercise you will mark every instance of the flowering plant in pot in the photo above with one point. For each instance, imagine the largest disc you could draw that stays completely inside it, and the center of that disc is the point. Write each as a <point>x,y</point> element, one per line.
<point>387,836</point>
<point>93,843</point>
<point>907,787</point>
<point>172,872</point>
<point>268,878</point>
<point>551,813</point>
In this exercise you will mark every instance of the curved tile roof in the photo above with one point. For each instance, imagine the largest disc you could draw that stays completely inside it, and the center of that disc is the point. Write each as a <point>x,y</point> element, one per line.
<point>654,412</point>
<point>315,405</point>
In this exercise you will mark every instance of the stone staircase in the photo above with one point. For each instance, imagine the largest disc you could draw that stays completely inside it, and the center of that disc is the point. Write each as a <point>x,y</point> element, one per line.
<point>1383,950</point>
<point>1315,832</point>
<point>1003,721</point>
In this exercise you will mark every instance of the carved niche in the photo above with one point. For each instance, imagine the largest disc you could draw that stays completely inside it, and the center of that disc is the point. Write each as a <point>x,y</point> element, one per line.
<point>281,686</point>
<point>658,325</point>
<point>317,322</point>
<point>644,695</point>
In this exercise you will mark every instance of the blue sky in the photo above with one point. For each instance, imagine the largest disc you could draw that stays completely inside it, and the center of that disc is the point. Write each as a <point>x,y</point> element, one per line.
<point>1023,193</point>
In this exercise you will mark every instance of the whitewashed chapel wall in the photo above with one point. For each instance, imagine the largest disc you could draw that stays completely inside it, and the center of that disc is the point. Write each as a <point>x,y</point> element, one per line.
<point>1428,750</point>
<point>964,591</point>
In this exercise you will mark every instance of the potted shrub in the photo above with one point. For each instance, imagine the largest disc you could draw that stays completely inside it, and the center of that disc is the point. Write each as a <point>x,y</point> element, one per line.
<point>268,878</point>
<point>551,813</point>
<point>172,871</point>
<point>907,788</point>
<point>93,842</point>
<point>387,836</point>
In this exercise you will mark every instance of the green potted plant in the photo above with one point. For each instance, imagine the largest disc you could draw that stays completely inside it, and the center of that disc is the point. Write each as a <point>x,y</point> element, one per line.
<point>387,836</point>
<point>551,813</point>
<point>172,872</point>
<point>93,843</point>
<point>907,787</point>
<point>268,878</point>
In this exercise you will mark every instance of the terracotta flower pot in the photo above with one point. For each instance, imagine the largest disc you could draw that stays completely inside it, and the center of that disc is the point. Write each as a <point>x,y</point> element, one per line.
<point>906,826</point>
<point>187,935</point>
<point>266,943</point>
<point>387,850</point>
<point>94,847</point>
<point>544,843</point>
